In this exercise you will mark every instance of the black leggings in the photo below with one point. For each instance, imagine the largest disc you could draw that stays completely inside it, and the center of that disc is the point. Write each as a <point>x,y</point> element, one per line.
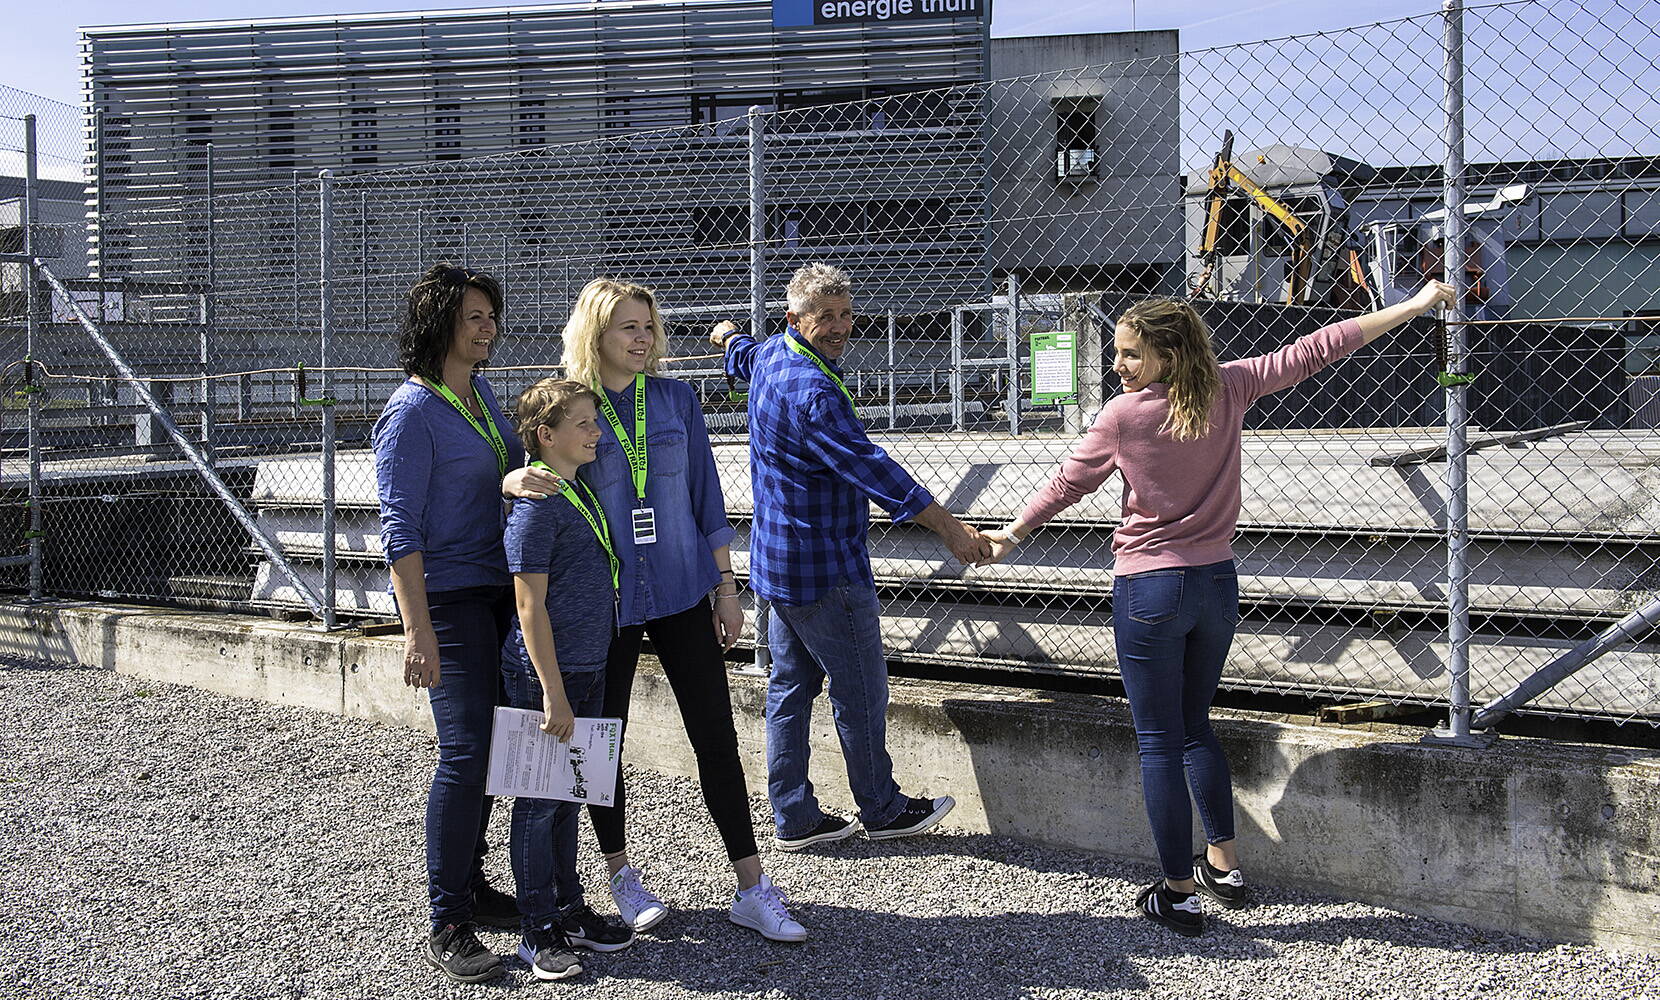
<point>692,661</point>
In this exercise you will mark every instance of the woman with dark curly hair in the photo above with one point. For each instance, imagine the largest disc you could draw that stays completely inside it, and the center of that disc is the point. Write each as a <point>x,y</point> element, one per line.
<point>443,448</point>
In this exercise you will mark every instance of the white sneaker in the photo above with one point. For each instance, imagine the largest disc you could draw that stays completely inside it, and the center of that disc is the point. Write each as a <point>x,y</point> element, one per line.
<point>763,909</point>
<point>637,905</point>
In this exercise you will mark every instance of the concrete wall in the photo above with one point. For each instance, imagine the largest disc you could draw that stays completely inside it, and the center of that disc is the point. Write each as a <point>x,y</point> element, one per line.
<point>1554,840</point>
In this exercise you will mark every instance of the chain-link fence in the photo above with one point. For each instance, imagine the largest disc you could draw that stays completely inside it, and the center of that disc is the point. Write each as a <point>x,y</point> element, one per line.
<point>994,231</point>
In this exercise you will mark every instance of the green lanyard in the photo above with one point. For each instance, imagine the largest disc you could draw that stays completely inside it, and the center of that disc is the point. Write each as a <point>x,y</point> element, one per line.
<point>486,430</point>
<point>602,531</point>
<point>635,449</point>
<point>799,348</point>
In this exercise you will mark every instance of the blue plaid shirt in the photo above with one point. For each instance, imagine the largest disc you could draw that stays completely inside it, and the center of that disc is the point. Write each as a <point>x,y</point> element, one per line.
<point>814,472</point>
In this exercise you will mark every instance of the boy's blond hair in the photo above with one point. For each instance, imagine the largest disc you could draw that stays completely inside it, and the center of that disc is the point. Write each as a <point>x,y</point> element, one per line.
<point>546,403</point>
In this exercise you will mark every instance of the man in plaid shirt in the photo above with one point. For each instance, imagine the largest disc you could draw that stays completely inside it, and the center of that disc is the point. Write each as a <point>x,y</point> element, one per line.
<point>815,473</point>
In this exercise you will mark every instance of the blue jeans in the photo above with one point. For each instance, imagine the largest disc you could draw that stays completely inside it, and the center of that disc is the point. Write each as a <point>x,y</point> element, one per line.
<point>543,844</point>
<point>1173,628</point>
<point>837,637</point>
<point>470,624</point>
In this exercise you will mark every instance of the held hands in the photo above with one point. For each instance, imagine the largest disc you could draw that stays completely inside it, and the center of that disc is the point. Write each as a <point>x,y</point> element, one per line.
<point>968,545</point>
<point>1434,295</point>
<point>530,483</point>
<point>1002,543</point>
<point>718,335</point>
<point>557,719</point>
<point>420,658</point>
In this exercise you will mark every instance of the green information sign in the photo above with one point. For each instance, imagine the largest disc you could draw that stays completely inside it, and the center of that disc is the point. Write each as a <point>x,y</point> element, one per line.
<point>1054,367</point>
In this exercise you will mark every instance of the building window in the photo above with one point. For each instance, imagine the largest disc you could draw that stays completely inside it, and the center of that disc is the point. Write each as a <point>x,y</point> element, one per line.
<point>1076,149</point>
<point>279,139</point>
<point>532,125</point>
<point>365,135</point>
<point>446,131</point>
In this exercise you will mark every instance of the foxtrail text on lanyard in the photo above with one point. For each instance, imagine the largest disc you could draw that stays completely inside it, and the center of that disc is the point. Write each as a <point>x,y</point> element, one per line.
<point>594,514</point>
<point>644,517</point>
<point>486,430</point>
<point>801,349</point>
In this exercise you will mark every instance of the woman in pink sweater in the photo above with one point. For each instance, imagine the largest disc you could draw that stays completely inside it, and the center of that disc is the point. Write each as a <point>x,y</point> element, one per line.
<point>1174,437</point>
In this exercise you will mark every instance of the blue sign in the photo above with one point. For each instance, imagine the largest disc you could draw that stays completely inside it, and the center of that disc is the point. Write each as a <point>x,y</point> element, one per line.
<point>807,13</point>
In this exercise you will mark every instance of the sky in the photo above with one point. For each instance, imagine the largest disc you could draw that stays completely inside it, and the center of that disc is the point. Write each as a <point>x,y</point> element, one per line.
<point>39,49</point>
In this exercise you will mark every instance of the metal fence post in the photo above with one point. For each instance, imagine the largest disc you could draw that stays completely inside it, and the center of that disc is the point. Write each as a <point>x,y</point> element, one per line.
<point>208,348</point>
<point>325,380</point>
<point>959,410</point>
<point>893,373</point>
<point>31,208</point>
<point>1011,400</point>
<point>757,222</point>
<point>1457,729</point>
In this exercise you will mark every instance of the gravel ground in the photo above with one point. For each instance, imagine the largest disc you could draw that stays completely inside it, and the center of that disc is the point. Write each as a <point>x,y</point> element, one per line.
<point>162,842</point>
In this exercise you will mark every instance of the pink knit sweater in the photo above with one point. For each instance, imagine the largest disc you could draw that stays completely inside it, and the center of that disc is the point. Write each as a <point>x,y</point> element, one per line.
<point>1181,498</point>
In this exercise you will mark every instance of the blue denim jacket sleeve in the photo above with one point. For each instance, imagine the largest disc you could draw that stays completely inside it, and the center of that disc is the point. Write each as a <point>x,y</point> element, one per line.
<point>839,440</point>
<point>403,478</point>
<point>702,478</point>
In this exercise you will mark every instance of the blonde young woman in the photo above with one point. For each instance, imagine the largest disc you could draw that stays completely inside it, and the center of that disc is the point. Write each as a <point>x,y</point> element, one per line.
<point>1174,437</point>
<point>654,474</point>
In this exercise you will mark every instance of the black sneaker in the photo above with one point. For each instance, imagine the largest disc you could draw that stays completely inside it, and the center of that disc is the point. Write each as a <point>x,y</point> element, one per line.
<point>1181,915</point>
<point>586,929</point>
<point>456,952</point>
<point>494,908</point>
<point>1226,887</point>
<point>917,816</point>
<point>548,954</point>
<point>829,828</point>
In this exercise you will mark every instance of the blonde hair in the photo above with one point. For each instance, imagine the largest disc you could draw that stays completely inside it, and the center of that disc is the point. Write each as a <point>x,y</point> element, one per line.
<point>1175,334</point>
<point>546,403</point>
<point>812,282</point>
<point>591,316</point>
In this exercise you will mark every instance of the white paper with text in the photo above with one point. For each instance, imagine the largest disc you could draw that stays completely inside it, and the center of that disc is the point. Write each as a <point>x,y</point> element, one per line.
<point>525,761</point>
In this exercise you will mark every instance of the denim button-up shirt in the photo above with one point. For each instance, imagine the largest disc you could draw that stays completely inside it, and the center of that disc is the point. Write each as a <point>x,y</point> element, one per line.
<point>440,487</point>
<point>678,570</point>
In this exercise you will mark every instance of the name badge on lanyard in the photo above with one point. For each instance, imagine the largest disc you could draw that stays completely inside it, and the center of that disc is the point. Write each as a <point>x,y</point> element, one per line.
<point>644,516</point>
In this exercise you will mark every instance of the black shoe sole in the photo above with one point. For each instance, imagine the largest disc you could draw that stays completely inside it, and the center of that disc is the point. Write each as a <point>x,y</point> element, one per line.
<point>1184,929</point>
<point>503,923</point>
<point>793,844</point>
<point>927,823</point>
<point>495,972</point>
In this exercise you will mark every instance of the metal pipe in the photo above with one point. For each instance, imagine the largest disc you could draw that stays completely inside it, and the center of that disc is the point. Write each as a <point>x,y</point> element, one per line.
<point>1011,401</point>
<point>893,374</point>
<point>959,411</point>
<point>165,419</point>
<point>208,348</point>
<point>325,379</point>
<point>1627,629</point>
<point>1458,415</point>
<point>31,208</point>
<point>757,223</point>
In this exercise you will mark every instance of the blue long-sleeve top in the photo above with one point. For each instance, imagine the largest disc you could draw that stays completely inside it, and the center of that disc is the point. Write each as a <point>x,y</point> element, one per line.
<point>683,488</point>
<point>815,472</point>
<point>440,487</point>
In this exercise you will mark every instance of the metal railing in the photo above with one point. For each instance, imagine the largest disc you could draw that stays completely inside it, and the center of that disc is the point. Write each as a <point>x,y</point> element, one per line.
<point>1462,515</point>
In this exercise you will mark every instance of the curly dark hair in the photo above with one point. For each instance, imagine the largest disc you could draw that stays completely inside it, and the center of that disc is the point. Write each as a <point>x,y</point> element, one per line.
<point>429,318</point>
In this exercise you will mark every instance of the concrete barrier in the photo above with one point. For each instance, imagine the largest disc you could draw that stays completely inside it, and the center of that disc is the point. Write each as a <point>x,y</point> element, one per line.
<point>1554,840</point>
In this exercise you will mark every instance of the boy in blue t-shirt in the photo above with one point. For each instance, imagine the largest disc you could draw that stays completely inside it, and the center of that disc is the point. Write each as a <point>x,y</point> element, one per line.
<point>564,583</point>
